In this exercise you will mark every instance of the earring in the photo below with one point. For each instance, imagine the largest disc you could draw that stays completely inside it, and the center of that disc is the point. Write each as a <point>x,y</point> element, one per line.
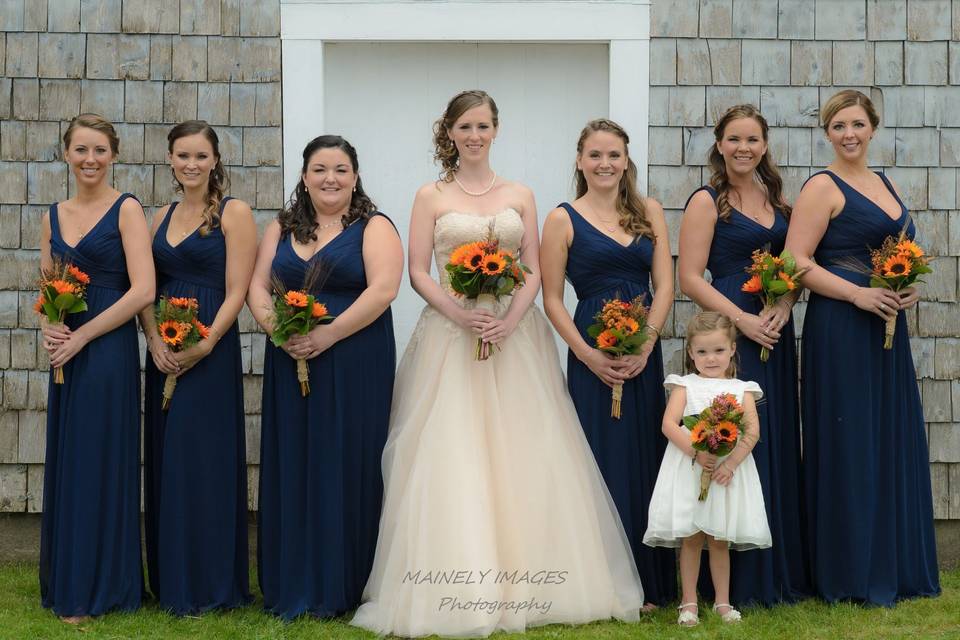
<point>354,189</point>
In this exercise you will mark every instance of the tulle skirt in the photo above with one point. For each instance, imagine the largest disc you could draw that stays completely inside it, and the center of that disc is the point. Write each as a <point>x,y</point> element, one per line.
<point>496,516</point>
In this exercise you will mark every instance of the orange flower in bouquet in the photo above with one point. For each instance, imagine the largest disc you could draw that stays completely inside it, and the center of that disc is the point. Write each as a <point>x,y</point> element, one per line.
<point>716,430</point>
<point>896,265</point>
<point>62,291</point>
<point>179,329</point>
<point>771,278</point>
<point>297,312</point>
<point>620,328</point>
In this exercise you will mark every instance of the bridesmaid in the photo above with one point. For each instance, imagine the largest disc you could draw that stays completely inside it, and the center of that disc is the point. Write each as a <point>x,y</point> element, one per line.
<point>195,466</point>
<point>90,531</point>
<point>320,483</point>
<point>870,507</point>
<point>743,210</point>
<point>608,243</point>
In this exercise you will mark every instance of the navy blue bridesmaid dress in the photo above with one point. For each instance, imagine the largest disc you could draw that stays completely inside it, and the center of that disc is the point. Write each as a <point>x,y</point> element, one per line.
<point>780,573</point>
<point>321,488</point>
<point>867,478</point>
<point>195,474</point>
<point>628,451</point>
<point>90,531</point>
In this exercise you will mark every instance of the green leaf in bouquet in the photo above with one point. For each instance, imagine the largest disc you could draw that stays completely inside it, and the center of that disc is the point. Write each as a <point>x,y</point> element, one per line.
<point>879,283</point>
<point>64,300</point>
<point>78,306</point>
<point>505,286</point>
<point>778,287</point>
<point>594,330</point>
<point>690,421</point>
<point>53,314</point>
<point>789,262</point>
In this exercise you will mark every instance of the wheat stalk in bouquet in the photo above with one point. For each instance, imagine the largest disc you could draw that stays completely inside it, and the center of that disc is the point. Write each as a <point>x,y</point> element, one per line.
<point>63,289</point>
<point>620,328</point>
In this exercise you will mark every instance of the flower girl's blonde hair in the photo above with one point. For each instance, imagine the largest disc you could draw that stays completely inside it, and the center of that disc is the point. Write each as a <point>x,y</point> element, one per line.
<point>706,322</point>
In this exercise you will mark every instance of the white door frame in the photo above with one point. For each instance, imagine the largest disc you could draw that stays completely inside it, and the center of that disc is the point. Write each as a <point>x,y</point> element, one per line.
<point>624,25</point>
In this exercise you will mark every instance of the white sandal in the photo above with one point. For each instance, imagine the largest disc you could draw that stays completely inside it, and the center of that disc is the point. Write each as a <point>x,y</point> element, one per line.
<point>688,618</point>
<point>732,615</point>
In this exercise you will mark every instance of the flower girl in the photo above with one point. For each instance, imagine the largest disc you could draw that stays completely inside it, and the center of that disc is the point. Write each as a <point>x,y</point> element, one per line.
<point>731,513</point>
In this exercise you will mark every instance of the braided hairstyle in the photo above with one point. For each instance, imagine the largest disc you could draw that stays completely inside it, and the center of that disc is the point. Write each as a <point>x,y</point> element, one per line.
<point>445,151</point>
<point>218,181</point>
<point>299,216</point>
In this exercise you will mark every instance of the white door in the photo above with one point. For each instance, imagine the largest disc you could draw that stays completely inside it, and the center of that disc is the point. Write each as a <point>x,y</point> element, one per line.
<point>385,97</point>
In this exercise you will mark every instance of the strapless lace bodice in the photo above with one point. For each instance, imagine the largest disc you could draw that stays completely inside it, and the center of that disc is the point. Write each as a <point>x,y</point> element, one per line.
<point>455,228</point>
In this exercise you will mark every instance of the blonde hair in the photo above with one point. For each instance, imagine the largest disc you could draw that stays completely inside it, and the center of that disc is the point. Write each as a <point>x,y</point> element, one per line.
<point>630,204</point>
<point>766,171</point>
<point>96,122</point>
<point>844,99</point>
<point>708,322</point>
<point>445,151</point>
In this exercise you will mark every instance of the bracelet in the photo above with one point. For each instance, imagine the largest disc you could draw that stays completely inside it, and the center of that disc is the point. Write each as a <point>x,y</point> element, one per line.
<point>651,327</point>
<point>737,319</point>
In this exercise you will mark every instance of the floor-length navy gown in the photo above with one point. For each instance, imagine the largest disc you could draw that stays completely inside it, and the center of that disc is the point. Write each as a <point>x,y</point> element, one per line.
<point>90,532</point>
<point>867,476</point>
<point>780,573</point>
<point>628,450</point>
<point>195,473</point>
<point>320,481</point>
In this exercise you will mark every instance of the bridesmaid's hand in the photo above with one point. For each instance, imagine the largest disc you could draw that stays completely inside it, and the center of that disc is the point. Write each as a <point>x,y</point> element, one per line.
<point>777,316</point>
<point>70,347</point>
<point>189,357</point>
<point>162,357</point>
<point>633,365</point>
<point>319,340</point>
<point>53,335</point>
<point>754,327</point>
<point>604,367</point>
<point>475,320</point>
<point>723,474</point>
<point>882,302</point>
<point>909,297</point>
<point>295,345</point>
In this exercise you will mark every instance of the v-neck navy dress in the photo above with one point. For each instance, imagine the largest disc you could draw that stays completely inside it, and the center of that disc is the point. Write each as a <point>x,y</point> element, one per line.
<point>867,486</point>
<point>321,487</point>
<point>780,573</point>
<point>628,450</point>
<point>90,530</point>
<point>195,473</point>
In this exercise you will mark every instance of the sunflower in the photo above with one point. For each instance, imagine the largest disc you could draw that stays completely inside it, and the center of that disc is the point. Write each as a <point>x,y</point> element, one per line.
<point>460,254</point>
<point>898,265</point>
<point>296,299</point>
<point>727,431</point>
<point>319,310</point>
<point>78,275</point>
<point>202,329</point>
<point>910,248</point>
<point>753,285</point>
<point>606,339</point>
<point>628,326</point>
<point>791,285</point>
<point>62,286</point>
<point>493,264</point>
<point>183,303</point>
<point>173,332</point>
<point>473,257</point>
<point>699,432</point>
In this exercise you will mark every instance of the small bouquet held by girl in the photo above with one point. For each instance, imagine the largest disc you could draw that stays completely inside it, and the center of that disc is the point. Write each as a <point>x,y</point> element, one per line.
<point>297,312</point>
<point>620,328</point>
<point>715,447</point>
<point>484,272</point>
<point>63,288</point>
<point>180,328</point>
<point>771,278</point>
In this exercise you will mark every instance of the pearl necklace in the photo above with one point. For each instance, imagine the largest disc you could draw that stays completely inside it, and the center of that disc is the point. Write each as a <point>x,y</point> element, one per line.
<point>321,227</point>
<point>475,194</point>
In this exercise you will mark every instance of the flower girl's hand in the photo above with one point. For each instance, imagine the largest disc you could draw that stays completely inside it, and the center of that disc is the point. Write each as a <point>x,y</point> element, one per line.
<point>475,320</point>
<point>706,460</point>
<point>755,328</point>
<point>723,474</point>
<point>909,297</point>
<point>604,367</point>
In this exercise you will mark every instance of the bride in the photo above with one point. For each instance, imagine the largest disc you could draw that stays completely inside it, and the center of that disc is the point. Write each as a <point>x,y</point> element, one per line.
<point>495,514</point>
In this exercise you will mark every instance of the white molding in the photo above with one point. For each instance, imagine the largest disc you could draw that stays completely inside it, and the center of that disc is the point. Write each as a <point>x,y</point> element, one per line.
<point>306,24</point>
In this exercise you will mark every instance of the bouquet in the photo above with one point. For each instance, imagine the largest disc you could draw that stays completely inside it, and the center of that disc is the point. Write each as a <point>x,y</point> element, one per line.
<point>897,264</point>
<point>771,278</point>
<point>62,290</point>
<point>715,430</point>
<point>296,312</point>
<point>482,271</point>
<point>180,329</point>
<point>620,328</point>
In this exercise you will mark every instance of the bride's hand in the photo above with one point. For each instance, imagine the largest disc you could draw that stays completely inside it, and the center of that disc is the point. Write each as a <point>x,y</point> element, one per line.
<point>604,367</point>
<point>475,320</point>
<point>498,330</point>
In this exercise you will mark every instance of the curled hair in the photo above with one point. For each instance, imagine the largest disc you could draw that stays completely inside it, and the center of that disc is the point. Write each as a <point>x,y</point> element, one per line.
<point>445,151</point>
<point>218,182</point>
<point>766,172</point>
<point>299,216</point>
<point>707,322</point>
<point>844,99</point>
<point>96,122</point>
<point>630,204</point>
